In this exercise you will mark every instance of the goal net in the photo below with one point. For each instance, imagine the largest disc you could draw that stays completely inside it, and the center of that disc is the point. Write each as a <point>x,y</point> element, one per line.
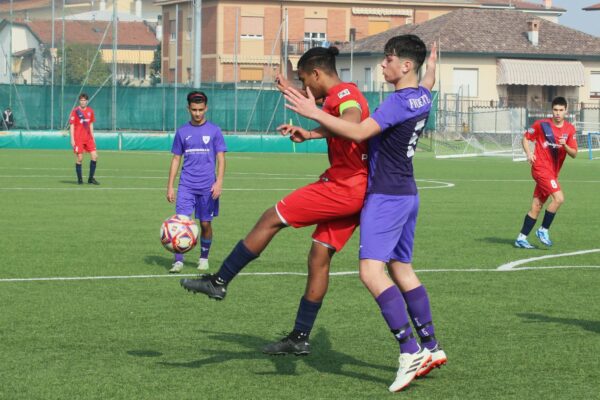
<point>480,131</point>
<point>588,138</point>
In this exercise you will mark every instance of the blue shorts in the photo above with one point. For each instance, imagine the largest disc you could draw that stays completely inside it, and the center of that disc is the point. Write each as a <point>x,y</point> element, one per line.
<point>387,227</point>
<point>190,200</point>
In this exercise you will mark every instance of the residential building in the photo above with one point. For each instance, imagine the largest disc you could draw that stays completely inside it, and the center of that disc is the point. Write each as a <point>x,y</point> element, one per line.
<point>32,48</point>
<point>243,40</point>
<point>593,7</point>
<point>501,57</point>
<point>78,9</point>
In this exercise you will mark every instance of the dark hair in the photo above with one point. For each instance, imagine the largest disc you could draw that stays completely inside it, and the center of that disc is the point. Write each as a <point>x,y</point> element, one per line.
<point>407,46</point>
<point>83,96</point>
<point>559,101</point>
<point>319,57</point>
<point>197,97</point>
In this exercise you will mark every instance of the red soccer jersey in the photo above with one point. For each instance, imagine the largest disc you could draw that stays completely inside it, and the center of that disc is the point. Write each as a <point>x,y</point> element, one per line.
<point>348,159</point>
<point>82,119</point>
<point>549,155</point>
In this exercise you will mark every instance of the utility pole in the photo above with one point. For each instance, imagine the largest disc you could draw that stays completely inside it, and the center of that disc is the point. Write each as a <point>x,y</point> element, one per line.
<point>197,43</point>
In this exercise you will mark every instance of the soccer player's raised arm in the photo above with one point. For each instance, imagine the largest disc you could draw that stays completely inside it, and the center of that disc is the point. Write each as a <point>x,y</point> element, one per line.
<point>428,80</point>
<point>307,108</point>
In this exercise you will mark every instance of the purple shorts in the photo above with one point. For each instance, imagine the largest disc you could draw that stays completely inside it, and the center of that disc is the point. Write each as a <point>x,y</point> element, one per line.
<point>189,200</point>
<point>387,227</point>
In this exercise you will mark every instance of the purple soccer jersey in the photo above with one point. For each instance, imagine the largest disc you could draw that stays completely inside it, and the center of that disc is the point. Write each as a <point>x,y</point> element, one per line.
<point>402,117</point>
<point>199,146</point>
<point>389,216</point>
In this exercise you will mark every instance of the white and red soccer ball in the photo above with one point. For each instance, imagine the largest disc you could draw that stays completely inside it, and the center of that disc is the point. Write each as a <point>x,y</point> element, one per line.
<point>179,233</point>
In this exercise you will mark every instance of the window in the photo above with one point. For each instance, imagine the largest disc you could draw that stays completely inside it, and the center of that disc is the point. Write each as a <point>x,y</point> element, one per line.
<point>190,28</point>
<point>376,27</point>
<point>172,30</point>
<point>466,82</point>
<point>595,85</point>
<point>251,74</point>
<point>314,32</point>
<point>368,80</point>
<point>252,27</point>
<point>345,74</point>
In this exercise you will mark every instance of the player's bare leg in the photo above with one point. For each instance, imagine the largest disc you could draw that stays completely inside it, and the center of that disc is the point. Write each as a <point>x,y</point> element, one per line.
<point>417,302</point>
<point>319,261</point>
<point>558,198</point>
<point>94,159</point>
<point>215,286</point>
<point>528,224</point>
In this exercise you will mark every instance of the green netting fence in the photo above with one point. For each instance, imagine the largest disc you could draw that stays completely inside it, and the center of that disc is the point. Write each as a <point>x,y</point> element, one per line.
<point>149,109</point>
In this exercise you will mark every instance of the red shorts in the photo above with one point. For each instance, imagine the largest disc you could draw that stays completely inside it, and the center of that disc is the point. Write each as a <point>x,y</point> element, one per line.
<point>84,146</point>
<point>545,186</point>
<point>336,216</point>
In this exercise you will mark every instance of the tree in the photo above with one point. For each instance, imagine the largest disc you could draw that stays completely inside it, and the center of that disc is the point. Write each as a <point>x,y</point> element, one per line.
<point>79,58</point>
<point>155,67</point>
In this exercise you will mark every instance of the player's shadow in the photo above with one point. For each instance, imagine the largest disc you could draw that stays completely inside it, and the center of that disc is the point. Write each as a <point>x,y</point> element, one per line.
<point>497,240</point>
<point>323,358</point>
<point>588,325</point>
<point>159,261</point>
<point>144,353</point>
<point>70,183</point>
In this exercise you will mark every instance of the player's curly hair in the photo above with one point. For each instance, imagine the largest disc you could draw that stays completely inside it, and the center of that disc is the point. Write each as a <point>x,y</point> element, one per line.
<point>407,46</point>
<point>319,57</point>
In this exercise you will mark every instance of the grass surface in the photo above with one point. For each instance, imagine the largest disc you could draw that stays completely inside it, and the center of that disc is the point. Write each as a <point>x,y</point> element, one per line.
<point>531,333</point>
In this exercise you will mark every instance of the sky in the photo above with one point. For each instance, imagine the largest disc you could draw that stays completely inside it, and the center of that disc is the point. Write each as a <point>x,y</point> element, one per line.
<point>576,18</point>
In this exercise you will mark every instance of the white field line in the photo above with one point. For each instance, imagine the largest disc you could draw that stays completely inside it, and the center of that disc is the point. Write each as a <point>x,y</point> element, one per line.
<point>341,273</point>
<point>511,266</point>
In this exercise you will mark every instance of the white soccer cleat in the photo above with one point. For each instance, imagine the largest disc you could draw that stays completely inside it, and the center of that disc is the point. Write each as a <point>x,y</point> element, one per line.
<point>410,364</point>
<point>203,264</point>
<point>438,358</point>
<point>176,267</point>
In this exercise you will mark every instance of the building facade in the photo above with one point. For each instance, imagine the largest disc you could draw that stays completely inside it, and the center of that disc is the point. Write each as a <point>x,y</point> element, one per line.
<point>242,41</point>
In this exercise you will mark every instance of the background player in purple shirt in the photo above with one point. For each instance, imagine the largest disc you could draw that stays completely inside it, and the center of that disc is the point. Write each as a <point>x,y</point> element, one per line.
<point>203,148</point>
<point>389,215</point>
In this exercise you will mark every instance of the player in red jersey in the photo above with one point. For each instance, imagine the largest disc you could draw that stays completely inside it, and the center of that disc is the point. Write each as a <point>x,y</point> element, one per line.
<point>554,138</point>
<point>82,137</point>
<point>333,203</point>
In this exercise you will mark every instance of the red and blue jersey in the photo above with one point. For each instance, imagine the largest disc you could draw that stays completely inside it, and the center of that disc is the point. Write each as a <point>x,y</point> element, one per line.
<point>81,119</point>
<point>549,155</point>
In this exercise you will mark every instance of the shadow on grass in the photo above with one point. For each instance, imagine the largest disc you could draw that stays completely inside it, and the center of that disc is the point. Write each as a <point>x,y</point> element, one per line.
<point>159,261</point>
<point>592,326</point>
<point>144,353</point>
<point>323,358</point>
<point>73,182</point>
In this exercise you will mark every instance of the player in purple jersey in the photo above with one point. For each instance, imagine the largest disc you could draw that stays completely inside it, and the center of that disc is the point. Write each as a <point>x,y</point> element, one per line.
<point>388,218</point>
<point>203,148</point>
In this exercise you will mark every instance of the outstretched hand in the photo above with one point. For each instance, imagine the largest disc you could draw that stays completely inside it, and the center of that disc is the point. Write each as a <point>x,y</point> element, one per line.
<point>305,106</point>
<point>296,133</point>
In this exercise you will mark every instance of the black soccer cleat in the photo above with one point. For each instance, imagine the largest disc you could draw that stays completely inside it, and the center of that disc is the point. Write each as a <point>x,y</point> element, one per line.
<point>92,181</point>
<point>288,346</point>
<point>205,284</point>
<point>80,181</point>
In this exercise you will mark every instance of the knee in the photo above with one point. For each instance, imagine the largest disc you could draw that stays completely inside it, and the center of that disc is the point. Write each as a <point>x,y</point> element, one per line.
<point>559,199</point>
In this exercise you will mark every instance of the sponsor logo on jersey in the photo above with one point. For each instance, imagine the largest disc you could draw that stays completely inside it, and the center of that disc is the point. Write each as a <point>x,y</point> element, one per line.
<point>206,139</point>
<point>188,138</point>
<point>343,93</point>
<point>530,130</point>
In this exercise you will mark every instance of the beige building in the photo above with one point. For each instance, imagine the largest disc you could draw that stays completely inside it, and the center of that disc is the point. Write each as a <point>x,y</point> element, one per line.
<point>79,9</point>
<point>534,61</point>
<point>244,38</point>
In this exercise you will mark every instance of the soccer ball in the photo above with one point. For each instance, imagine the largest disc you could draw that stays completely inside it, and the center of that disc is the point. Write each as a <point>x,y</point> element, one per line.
<point>179,233</point>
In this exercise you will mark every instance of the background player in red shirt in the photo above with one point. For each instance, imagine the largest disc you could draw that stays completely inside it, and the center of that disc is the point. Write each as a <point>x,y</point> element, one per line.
<point>82,137</point>
<point>554,138</point>
<point>333,203</point>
